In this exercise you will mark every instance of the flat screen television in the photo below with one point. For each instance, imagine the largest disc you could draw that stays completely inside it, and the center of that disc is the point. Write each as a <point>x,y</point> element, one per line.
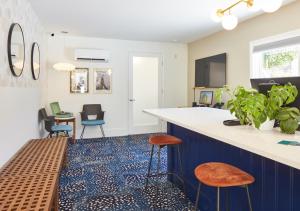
<point>210,72</point>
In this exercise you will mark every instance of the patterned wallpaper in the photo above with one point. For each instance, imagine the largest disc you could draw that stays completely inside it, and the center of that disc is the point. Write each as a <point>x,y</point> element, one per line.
<point>20,11</point>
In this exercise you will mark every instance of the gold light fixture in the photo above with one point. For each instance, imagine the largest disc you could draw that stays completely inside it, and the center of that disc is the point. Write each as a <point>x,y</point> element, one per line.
<point>230,21</point>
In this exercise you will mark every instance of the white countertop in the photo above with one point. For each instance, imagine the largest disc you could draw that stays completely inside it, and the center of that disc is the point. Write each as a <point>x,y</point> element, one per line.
<point>209,122</point>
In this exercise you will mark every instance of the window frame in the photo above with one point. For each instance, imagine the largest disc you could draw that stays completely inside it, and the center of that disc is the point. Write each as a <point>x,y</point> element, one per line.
<point>268,40</point>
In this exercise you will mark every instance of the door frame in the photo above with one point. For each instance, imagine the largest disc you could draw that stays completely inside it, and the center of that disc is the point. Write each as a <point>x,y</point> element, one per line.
<point>161,85</point>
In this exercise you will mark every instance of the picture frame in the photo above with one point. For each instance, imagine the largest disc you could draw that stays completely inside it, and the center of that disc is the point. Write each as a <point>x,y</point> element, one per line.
<point>102,80</point>
<point>79,81</point>
<point>206,97</point>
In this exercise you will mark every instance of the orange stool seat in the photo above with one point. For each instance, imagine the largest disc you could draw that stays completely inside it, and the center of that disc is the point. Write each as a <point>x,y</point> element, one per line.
<point>222,175</point>
<point>164,140</point>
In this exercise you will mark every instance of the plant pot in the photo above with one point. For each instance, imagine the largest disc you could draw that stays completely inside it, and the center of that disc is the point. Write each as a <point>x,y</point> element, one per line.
<point>267,125</point>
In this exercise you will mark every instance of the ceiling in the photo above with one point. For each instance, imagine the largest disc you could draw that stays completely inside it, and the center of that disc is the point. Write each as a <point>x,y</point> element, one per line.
<point>146,20</point>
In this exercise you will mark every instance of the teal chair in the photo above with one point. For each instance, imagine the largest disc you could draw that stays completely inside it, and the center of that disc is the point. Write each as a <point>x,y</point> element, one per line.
<point>95,110</point>
<point>50,125</point>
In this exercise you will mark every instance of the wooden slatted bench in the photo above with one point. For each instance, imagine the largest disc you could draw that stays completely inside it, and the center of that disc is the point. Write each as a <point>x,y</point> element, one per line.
<point>29,180</point>
<point>29,192</point>
<point>37,156</point>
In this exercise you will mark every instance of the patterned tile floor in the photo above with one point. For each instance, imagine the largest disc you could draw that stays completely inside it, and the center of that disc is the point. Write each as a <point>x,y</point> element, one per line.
<point>109,174</point>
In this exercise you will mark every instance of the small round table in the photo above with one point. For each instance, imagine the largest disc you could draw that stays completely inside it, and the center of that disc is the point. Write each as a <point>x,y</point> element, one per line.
<point>66,120</point>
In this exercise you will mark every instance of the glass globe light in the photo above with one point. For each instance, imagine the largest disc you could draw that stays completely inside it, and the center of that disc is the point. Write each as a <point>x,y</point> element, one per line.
<point>270,5</point>
<point>229,22</point>
<point>256,6</point>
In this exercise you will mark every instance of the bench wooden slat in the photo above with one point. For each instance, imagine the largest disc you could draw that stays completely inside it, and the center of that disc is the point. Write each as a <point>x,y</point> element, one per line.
<point>28,192</point>
<point>37,156</point>
<point>29,180</point>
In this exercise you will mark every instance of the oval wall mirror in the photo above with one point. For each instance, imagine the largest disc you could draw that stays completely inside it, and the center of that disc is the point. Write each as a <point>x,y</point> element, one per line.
<point>16,49</point>
<point>35,61</point>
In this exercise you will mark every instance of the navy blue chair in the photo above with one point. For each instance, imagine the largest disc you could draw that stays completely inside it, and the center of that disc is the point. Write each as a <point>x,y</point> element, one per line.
<point>92,110</point>
<point>50,125</point>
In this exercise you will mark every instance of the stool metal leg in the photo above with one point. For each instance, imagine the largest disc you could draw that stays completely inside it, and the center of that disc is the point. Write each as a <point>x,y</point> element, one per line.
<point>149,167</point>
<point>218,199</point>
<point>181,167</point>
<point>157,172</point>
<point>158,161</point>
<point>198,196</point>
<point>249,198</point>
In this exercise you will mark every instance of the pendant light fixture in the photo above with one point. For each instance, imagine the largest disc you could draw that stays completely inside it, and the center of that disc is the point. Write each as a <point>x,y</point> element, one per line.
<point>64,65</point>
<point>230,21</point>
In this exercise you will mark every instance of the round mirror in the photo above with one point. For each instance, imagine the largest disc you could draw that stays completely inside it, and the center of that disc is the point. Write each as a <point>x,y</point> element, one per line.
<point>35,61</point>
<point>16,49</point>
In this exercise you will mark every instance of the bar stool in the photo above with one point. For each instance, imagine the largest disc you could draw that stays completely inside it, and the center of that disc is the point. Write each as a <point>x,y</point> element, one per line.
<point>161,141</point>
<point>221,175</point>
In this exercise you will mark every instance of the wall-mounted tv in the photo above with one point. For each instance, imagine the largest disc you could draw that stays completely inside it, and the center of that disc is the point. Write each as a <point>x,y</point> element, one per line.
<point>210,72</point>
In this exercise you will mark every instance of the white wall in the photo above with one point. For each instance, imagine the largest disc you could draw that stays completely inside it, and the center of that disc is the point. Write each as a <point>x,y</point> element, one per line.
<point>20,97</point>
<point>236,43</point>
<point>115,104</point>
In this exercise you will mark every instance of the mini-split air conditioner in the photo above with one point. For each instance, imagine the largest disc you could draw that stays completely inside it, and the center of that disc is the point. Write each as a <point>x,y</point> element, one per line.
<point>92,55</point>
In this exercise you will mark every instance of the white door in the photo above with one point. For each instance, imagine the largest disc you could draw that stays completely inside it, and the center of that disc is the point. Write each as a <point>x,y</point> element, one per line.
<point>145,92</point>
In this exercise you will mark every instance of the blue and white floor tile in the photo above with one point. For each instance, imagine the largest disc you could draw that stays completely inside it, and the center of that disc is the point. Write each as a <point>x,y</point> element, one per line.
<point>109,174</point>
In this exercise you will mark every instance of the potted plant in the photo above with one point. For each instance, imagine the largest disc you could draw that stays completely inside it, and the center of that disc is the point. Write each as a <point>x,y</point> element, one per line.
<point>260,110</point>
<point>289,118</point>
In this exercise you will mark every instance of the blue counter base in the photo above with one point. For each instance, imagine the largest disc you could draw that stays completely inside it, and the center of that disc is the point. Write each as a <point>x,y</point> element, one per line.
<point>277,186</point>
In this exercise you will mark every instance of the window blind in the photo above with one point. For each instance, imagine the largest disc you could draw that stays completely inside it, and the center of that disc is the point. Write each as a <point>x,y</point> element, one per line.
<point>278,44</point>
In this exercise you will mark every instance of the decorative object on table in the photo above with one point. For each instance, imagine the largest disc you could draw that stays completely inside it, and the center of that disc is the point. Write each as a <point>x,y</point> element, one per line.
<point>261,110</point>
<point>290,143</point>
<point>230,21</point>
<point>79,80</point>
<point>57,112</point>
<point>102,81</point>
<point>194,104</point>
<point>92,110</point>
<point>16,49</point>
<point>50,125</point>
<point>206,98</point>
<point>218,105</point>
<point>35,61</point>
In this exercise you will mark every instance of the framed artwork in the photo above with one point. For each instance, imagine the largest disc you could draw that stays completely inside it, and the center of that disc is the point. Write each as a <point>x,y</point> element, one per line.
<point>79,81</point>
<point>206,97</point>
<point>102,81</point>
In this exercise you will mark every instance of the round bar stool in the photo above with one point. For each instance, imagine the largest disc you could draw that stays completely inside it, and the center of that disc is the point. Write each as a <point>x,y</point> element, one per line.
<point>161,141</point>
<point>222,175</point>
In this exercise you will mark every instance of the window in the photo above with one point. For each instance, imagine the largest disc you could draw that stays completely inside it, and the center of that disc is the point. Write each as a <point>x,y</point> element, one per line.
<point>276,59</point>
